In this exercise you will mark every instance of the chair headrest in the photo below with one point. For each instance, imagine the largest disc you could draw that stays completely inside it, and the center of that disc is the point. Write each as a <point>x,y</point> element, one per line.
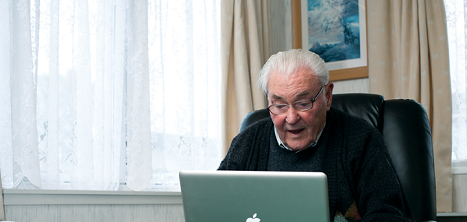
<point>366,106</point>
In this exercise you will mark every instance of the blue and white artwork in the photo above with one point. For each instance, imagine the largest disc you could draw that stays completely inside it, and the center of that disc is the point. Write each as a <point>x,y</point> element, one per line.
<point>334,29</point>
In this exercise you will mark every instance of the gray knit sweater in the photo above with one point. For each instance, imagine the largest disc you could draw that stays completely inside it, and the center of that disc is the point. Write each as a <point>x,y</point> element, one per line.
<point>362,182</point>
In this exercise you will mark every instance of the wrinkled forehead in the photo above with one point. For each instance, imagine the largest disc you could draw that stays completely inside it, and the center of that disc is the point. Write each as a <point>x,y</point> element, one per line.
<point>297,82</point>
<point>298,76</point>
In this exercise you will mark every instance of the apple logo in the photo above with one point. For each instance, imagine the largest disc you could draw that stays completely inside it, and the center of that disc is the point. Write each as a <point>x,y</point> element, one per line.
<point>254,219</point>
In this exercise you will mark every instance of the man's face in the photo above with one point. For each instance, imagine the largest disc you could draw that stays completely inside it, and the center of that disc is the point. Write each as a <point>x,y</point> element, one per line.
<point>299,129</point>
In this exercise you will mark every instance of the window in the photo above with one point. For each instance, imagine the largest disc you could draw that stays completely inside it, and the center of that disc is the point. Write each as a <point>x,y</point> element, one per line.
<point>108,92</point>
<point>455,17</point>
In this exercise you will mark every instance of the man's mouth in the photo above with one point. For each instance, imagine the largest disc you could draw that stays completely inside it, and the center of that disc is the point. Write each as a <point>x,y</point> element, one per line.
<point>297,131</point>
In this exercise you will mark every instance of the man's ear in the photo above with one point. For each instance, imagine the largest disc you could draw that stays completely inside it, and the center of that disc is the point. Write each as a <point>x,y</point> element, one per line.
<point>328,89</point>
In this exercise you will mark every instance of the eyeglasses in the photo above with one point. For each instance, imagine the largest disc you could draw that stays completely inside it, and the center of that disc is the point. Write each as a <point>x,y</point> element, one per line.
<point>301,105</point>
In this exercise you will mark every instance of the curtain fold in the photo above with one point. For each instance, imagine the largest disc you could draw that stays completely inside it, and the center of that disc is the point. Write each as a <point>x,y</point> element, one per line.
<point>244,49</point>
<point>408,58</point>
<point>138,98</point>
<point>23,85</point>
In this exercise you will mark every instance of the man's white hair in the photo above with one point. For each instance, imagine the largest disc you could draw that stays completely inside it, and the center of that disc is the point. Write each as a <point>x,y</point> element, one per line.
<point>291,61</point>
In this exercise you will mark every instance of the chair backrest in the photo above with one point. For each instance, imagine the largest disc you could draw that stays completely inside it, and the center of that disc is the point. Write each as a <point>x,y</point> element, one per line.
<point>406,131</point>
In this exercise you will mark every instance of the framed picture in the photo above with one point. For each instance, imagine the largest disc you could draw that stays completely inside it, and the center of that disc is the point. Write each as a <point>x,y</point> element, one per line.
<point>336,30</point>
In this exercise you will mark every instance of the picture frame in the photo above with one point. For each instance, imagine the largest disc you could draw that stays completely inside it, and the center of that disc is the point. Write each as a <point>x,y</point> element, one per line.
<point>337,32</point>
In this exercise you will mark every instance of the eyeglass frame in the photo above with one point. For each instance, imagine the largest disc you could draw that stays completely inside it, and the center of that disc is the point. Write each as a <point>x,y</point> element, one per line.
<point>293,104</point>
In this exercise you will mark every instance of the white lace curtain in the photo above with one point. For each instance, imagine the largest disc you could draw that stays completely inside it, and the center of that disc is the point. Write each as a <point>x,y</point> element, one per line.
<point>99,93</point>
<point>456,17</point>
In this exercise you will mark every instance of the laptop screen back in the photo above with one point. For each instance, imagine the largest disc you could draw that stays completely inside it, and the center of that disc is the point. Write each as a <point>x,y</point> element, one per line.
<point>254,196</point>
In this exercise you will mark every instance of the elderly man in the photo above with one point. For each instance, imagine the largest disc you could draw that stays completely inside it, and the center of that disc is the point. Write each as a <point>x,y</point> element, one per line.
<point>305,133</point>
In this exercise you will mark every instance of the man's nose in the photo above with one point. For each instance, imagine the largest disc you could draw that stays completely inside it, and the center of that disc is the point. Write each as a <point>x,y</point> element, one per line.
<point>292,115</point>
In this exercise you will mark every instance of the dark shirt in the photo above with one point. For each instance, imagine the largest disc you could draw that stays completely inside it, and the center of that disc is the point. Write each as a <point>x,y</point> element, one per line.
<point>308,160</point>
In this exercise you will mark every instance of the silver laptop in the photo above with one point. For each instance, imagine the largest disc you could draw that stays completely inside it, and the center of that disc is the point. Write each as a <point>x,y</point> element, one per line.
<point>254,196</point>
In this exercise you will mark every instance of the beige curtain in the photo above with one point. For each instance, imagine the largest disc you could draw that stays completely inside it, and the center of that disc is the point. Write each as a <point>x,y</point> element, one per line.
<point>408,58</point>
<point>244,49</point>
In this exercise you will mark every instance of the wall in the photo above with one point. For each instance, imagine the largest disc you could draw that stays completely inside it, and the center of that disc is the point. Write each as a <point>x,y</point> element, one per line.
<point>80,213</point>
<point>351,86</point>
<point>78,206</point>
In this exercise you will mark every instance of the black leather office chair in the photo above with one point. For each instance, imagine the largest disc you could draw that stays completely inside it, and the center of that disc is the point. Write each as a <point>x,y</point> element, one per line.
<point>406,130</point>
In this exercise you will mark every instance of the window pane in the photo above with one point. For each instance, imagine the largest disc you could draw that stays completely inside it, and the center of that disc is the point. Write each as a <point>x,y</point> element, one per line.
<point>455,17</point>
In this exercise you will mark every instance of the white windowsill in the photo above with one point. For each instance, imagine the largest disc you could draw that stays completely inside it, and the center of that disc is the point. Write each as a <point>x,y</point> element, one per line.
<point>453,214</point>
<point>49,197</point>
<point>459,167</point>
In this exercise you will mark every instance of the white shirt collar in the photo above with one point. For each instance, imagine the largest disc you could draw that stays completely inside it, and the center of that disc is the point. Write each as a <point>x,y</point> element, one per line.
<point>281,144</point>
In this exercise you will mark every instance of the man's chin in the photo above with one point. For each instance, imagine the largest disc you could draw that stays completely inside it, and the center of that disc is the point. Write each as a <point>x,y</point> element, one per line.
<point>297,147</point>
